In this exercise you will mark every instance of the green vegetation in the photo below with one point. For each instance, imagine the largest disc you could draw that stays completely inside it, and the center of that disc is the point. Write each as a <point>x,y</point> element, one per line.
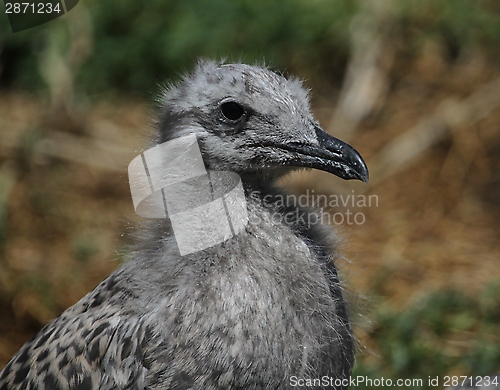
<point>445,333</point>
<point>134,45</point>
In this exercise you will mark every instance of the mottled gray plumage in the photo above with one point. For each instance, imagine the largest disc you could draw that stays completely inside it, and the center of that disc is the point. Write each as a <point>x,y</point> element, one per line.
<point>248,313</point>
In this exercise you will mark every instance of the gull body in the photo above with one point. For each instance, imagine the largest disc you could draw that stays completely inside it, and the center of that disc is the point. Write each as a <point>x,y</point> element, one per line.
<point>252,312</point>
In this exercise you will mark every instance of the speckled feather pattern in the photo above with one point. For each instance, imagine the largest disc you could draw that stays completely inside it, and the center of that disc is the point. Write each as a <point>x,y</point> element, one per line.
<point>248,313</point>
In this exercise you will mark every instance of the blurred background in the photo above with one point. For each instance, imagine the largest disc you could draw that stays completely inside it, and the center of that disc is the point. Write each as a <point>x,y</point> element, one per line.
<point>413,85</point>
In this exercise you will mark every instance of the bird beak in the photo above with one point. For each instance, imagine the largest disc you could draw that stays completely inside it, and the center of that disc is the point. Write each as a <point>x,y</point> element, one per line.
<point>330,155</point>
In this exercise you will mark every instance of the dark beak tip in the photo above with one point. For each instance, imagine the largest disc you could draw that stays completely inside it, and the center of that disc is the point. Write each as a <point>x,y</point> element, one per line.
<point>353,165</point>
<point>364,175</point>
<point>359,169</point>
<point>358,174</point>
<point>337,157</point>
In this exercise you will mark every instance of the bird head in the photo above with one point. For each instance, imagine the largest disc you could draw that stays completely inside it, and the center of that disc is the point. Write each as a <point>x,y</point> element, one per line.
<point>254,122</point>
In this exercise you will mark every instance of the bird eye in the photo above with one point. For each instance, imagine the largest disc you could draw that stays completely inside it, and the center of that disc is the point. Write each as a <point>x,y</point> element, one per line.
<point>232,111</point>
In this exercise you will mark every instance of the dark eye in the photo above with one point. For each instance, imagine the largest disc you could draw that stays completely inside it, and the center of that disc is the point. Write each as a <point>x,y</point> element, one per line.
<point>232,111</point>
